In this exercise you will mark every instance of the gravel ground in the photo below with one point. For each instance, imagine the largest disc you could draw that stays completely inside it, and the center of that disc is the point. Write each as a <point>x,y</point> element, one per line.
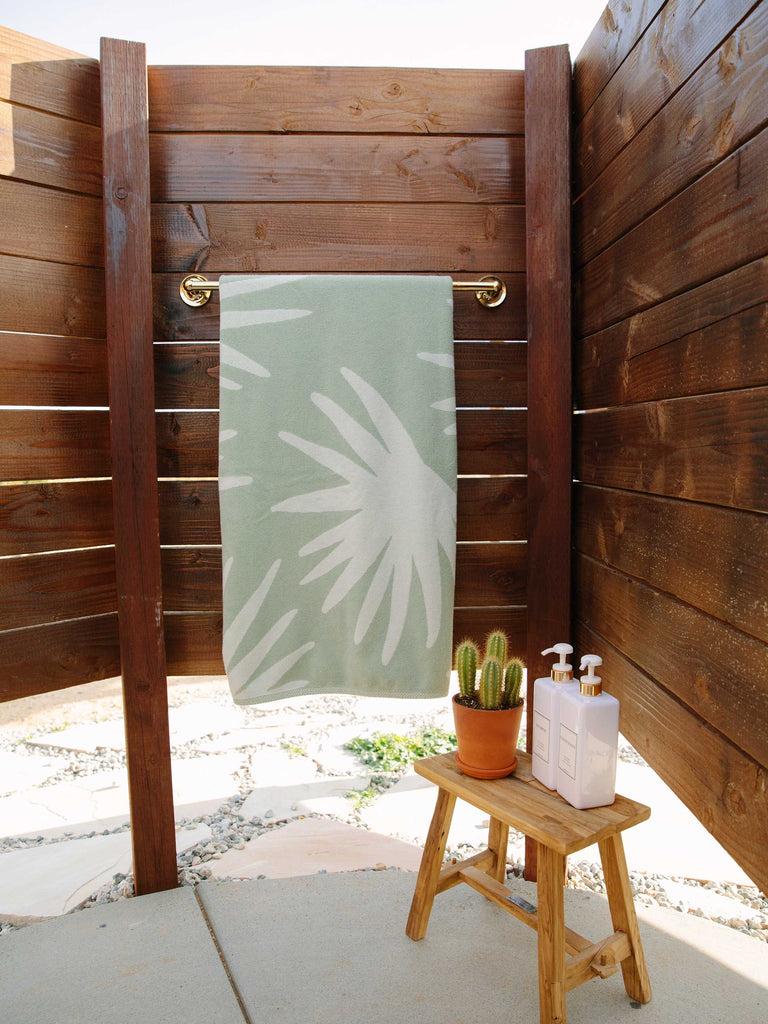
<point>229,831</point>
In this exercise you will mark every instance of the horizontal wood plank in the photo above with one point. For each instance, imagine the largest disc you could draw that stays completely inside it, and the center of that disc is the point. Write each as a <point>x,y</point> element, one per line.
<point>175,321</point>
<point>193,639</point>
<point>55,516</point>
<point>51,298</point>
<point>664,59</point>
<point>713,669</point>
<point>725,788</point>
<point>336,168</point>
<point>322,99</point>
<point>715,225</point>
<point>50,444</point>
<point>660,542</point>
<point>620,26</point>
<point>52,657</point>
<point>44,224</point>
<point>486,574</point>
<point>489,508</point>
<point>340,237</point>
<point>493,374</point>
<point>715,112</point>
<point>477,623</point>
<point>710,448</point>
<point>38,74</point>
<point>40,369</point>
<point>489,442</point>
<point>602,360</point>
<point>49,150</point>
<point>48,588</point>
<point>728,355</point>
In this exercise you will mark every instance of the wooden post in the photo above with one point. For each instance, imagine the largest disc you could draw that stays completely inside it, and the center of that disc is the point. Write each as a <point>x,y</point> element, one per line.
<point>134,461</point>
<point>548,287</point>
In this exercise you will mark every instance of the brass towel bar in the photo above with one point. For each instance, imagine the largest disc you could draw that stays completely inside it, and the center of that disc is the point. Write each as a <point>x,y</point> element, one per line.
<point>489,291</point>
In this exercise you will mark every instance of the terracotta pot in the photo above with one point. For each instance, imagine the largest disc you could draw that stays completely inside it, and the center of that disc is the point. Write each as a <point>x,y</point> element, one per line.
<point>487,740</point>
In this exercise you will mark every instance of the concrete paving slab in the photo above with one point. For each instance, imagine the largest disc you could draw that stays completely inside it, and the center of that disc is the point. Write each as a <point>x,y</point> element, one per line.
<point>47,881</point>
<point>406,810</point>
<point>86,738</point>
<point>309,845</point>
<point>20,771</point>
<point>256,736</point>
<point>328,751</point>
<point>243,739</point>
<point>273,765</point>
<point>186,723</point>
<point>202,784</point>
<point>76,806</point>
<point>95,802</point>
<point>324,795</point>
<point>673,841</point>
<point>337,953</point>
<point>191,721</point>
<point>713,904</point>
<point>146,959</point>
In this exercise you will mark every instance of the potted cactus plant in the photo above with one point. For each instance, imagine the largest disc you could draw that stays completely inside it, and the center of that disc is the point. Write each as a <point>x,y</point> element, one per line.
<point>487,711</point>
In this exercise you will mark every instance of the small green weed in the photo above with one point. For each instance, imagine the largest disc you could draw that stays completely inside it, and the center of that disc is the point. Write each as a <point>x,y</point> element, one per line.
<point>294,749</point>
<point>391,753</point>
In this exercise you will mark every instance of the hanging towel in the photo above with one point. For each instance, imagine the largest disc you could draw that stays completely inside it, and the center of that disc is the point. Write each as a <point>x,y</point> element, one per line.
<point>337,485</point>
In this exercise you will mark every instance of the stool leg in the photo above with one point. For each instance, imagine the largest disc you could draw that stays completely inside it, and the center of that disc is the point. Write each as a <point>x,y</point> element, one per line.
<point>498,834</point>
<point>431,863</point>
<point>636,980</point>
<point>551,927</point>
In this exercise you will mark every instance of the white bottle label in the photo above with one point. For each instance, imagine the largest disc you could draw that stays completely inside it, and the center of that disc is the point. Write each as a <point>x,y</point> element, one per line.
<point>568,740</point>
<point>541,736</point>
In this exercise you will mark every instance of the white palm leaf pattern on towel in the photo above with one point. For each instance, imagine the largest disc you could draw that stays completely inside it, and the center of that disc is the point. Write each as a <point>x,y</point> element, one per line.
<point>445,404</point>
<point>248,669</point>
<point>383,525</point>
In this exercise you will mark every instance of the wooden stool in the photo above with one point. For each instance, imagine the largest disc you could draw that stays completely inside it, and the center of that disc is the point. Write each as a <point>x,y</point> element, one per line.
<point>558,829</point>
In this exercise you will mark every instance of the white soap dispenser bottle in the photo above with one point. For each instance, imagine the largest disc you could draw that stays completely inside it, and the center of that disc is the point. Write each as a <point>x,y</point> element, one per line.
<point>546,715</point>
<point>589,739</point>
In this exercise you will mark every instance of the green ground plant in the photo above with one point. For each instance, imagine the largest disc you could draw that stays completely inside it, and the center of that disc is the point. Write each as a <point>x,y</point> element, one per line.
<point>390,754</point>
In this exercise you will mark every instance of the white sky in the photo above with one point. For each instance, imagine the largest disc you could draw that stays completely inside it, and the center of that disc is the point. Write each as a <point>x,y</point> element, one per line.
<point>397,33</point>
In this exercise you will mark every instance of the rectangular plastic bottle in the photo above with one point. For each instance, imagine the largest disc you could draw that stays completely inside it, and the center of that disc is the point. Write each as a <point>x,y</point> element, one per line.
<point>547,692</point>
<point>589,739</point>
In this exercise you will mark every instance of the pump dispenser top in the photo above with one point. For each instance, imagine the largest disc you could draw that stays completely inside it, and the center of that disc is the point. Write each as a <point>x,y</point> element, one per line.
<point>562,672</point>
<point>590,684</point>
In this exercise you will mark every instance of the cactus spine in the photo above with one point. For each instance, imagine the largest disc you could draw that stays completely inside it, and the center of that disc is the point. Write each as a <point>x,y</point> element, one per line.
<point>466,666</point>
<point>491,684</point>
<point>496,646</point>
<point>513,679</point>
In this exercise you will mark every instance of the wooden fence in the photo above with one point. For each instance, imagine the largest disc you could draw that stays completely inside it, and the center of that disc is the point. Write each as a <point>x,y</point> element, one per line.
<point>426,171</point>
<point>671,368</point>
<point>251,169</point>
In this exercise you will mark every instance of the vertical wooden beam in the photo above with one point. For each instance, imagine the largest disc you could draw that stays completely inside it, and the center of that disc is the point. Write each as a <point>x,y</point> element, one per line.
<point>548,289</point>
<point>134,461</point>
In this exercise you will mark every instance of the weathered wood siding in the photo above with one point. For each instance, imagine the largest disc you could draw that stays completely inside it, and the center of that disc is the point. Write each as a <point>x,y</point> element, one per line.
<point>58,623</point>
<point>351,171</point>
<point>671,378</point>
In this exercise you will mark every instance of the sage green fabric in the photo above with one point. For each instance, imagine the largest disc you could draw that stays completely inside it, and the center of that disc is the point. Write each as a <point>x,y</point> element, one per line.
<point>337,484</point>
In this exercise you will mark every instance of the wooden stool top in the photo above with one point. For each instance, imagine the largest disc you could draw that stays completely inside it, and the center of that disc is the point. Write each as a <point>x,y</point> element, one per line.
<point>528,806</point>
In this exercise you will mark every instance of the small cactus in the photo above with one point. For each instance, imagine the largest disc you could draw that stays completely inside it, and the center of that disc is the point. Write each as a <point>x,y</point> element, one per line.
<point>466,666</point>
<point>491,684</point>
<point>496,646</point>
<point>513,679</point>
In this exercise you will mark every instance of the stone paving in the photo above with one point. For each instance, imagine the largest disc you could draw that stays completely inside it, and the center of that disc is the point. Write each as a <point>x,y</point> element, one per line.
<point>273,793</point>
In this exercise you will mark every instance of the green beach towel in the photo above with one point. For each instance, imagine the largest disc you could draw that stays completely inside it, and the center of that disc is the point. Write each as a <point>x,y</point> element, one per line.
<point>337,485</point>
